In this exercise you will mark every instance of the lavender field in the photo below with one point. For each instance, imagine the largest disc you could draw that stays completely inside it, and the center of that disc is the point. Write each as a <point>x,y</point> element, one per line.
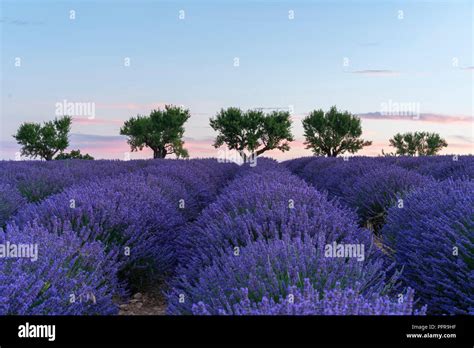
<point>310,236</point>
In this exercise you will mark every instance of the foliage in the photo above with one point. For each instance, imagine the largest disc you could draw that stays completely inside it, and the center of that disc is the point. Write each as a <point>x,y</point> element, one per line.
<point>69,277</point>
<point>267,269</point>
<point>432,237</point>
<point>373,193</point>
<point>333,133</point>
<point>10,201</point>
<point>124,213</point>
<point>46,140</point>
<point>74,154</point>
<point>162,131</point>
<point>252,130</point>
<point>308,301</point>
<point>418,143</point>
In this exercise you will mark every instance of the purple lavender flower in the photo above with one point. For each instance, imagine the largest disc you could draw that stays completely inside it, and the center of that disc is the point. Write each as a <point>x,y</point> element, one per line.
<point>263,206</point>
<point>10,201</point>
<point>70,276</point>
<point>308,301</point>
<point>372,194</point>
<point>432,238</point>
<point>124,213</point>
<point>268,268</point>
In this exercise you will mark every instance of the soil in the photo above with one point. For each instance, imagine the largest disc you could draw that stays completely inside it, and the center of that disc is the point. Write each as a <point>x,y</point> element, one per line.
<point>144,304</point>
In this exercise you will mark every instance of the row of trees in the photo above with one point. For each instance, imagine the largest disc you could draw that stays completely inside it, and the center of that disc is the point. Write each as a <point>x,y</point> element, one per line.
<point>250,132</point>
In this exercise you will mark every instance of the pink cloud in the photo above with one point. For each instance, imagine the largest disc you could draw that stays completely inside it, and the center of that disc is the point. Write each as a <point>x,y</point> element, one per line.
<point>376,148</point>
<point>424,117</point>
<point>95,121</point>
<point>131,106</point>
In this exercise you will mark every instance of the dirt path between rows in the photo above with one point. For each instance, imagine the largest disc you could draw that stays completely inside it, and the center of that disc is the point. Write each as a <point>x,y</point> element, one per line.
<point>144,304</point>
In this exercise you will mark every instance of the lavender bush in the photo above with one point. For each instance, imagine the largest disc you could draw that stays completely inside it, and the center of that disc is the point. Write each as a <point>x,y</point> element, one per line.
<point>268,268</point>
<point>37,180</point>
<point>124,213</point>
<point>445,167</point>
<point>341,175</point>
<point>256,208</point>
<point>432,237</point>
<point>263,206</point>
<point>10,201</point>
<point>308,301</point>
<point>439,167</point>
<point>69,277</point>
<point>372,194</point>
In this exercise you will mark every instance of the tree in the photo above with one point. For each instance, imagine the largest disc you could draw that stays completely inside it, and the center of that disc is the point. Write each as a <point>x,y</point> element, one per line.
<point>74,154</point>
<point>333,133</point>
<point>418,143</point>
<point>252,130</point>
<point>162,131</point>
<point>45,140</point>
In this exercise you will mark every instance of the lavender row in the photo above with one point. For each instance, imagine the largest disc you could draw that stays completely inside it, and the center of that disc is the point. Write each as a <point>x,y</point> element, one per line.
<point>422,208</point>
<point>32,181</point>
<point>265,239</point>
<point>124,228</point>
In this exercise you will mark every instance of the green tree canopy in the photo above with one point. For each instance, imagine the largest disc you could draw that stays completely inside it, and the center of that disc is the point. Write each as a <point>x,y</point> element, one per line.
<point>252,131</point>
<point>74,154</point>
<point>333,133</point>
<point>45,140</point>
<point>418,143</point>
<point>162,131</point>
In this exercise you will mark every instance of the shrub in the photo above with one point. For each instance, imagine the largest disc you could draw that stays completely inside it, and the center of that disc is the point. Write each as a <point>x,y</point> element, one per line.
<point>122,212</point>
<point>70,276</point>
<point>445,167</point>
<point>308,301</point>
<point>342,175</point>
<point>375,192</point>
<point>262,206</point>
<point>436,223</point>
<point>297,165</point>
<point>196,183</point>
<point>10,201</point>
<point>268,269</point>
<point>37,180</point>
<point>313,168</point>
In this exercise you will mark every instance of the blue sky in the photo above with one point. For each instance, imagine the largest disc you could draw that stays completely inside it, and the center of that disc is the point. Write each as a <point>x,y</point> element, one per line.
<point>422,56</point>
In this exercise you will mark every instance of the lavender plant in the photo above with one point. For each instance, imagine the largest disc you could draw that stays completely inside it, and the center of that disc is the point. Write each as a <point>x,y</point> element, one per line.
<point>263,206</point>
<point>308,301</point>
<point>124,213</point>
<point>10,201</point>
<point>268,269</point>
<point>372,194</point>
<point>432,237</point>
<point>69,276</point>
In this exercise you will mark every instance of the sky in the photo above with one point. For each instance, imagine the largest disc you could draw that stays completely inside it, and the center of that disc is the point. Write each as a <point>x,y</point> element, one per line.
<point>402,66</point>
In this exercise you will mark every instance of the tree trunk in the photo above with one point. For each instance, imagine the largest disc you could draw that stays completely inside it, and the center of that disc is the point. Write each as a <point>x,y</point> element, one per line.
<point>159,153</point>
